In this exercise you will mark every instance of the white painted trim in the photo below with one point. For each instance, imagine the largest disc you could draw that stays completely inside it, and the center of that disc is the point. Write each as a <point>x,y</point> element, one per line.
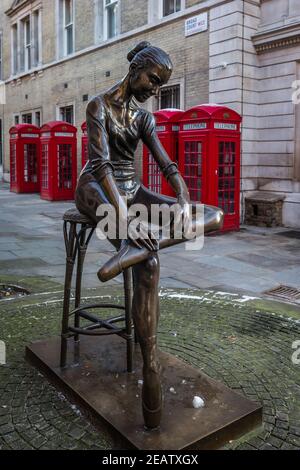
<point>160,10</point>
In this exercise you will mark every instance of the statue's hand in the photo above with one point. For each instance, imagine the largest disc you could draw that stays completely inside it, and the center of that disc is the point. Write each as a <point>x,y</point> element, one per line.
<point>142,237</point>
<point>184,202</point>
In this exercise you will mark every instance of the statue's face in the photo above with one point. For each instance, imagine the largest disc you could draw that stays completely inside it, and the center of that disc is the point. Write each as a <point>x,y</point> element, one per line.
<point>145,82</point>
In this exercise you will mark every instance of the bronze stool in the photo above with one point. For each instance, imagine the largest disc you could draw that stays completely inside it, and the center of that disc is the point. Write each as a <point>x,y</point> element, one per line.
<point>78,231</point>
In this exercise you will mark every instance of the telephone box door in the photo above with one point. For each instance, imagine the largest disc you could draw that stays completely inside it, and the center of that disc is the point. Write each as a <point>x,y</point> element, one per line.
<point>227,179</point>
<point>192,165</point>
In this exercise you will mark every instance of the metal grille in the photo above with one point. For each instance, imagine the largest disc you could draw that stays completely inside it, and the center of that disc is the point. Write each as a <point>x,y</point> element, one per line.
<point>169,97</point>
<point>30,163</point>
<point>284,292</point>
<point>13,168</point>
<point>226,172</point>
<point>64,166</point>
<point>44,166</point>
<point>154,175</point>
<point>193,169</point>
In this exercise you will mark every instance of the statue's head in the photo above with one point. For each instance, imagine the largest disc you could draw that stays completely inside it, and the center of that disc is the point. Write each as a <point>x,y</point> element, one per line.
<point>150,68</point>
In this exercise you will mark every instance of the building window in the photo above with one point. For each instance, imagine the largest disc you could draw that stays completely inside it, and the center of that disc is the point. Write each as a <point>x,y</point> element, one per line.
<point>111,18</point>
<point>27,43</point>
<point>66,114</point>
<point>14,35</point>
<point>68,26</point>
<point>25,40</point>
<point>65,23</point>
<point>169,97</point>
<point>27,118</point>
<point>1,66</point>
<point>171,6</point>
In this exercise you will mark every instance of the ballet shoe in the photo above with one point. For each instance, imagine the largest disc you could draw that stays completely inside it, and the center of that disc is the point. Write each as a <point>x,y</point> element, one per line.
<point>152,417</point>
<point>127,256</point>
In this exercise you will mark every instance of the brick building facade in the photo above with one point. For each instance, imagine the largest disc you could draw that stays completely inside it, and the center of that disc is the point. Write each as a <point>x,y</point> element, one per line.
<point>56,54</point>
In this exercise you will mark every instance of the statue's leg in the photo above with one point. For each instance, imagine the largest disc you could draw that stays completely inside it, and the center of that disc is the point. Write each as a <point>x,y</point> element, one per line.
<point>145,310</point>
<point>130,255</point>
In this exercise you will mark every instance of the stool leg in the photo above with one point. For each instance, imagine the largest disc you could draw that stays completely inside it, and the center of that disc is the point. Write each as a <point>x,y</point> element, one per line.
<point>127,274</point>
<point>80,260</point>
<point>70,255</point>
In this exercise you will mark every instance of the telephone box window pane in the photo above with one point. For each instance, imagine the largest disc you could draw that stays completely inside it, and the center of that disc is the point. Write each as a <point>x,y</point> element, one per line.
<point>64,166</point>
<point>154,175</point>
<point>226,172</point>
<point>193,168</point>
<point>30,163</point>
<point>13,163</point>
<point>45,166</point>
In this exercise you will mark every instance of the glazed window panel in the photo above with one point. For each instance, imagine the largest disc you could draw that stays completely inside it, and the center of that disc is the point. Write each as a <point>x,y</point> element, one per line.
<point>111,18</point>
<point>13,167</point>
<point>45,173</point>
<point>64,166</point>
<point>154,175</point>
<point>30,163</point>
<point>169,97</point>
<point>193,160</point>
<point>227,176</point>
<point>171,6</point>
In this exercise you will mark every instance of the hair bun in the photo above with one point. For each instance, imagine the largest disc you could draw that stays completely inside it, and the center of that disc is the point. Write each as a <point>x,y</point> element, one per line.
<point>139,47</point>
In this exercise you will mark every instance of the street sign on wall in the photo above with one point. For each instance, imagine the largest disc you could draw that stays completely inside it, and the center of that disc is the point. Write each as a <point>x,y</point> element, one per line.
<point>196,24</point>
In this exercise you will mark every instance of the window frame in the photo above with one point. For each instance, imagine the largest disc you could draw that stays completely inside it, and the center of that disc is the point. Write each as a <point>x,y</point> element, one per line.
<point>26,55</point>
<point>1,56</point>
<point>182,6</point>
<point>59,107</point>
<point>67,26</point>
<point>106,8</point>
<point>171,83</point>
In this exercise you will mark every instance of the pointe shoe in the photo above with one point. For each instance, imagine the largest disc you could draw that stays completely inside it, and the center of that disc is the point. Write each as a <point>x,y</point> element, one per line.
<point>127,256</point>
<point>152,418</point>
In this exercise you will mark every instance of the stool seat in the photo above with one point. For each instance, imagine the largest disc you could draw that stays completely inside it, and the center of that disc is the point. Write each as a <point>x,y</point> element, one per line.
<point>73,215</point>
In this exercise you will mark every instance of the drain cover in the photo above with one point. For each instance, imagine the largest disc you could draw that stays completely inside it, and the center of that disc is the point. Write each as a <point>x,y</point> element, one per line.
<point>284,292</point>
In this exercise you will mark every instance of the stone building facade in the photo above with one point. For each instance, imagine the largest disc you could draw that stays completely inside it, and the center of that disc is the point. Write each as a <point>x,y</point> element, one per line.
<point>247,58</point>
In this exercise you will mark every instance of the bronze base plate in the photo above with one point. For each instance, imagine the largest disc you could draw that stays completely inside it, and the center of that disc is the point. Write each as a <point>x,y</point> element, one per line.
<point>99,384</point>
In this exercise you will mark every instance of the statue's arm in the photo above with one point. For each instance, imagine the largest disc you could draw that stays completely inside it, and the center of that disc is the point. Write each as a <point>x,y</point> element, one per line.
<point>99,156</point>
<point>167,166</point>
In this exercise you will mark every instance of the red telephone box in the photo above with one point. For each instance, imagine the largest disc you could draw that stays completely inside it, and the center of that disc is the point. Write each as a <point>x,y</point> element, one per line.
<point>209,158</point>
<point>167,128</point>
<point>58,161</point>
<point>24,158</point>
<point>84,145</point>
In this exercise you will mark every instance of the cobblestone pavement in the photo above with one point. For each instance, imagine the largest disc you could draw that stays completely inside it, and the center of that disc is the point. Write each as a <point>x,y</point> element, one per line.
<point>244,343</point>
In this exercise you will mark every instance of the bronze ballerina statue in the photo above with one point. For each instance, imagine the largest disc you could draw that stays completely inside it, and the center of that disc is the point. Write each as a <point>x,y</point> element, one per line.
<point>115,125</point>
